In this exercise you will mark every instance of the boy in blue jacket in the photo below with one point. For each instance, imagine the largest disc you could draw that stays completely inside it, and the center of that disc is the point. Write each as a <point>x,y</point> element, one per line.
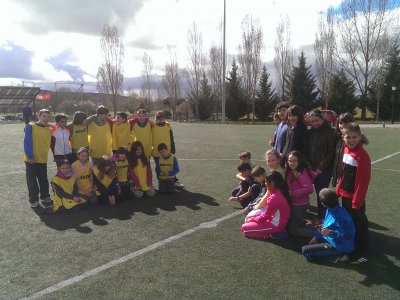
<point>336,236</point>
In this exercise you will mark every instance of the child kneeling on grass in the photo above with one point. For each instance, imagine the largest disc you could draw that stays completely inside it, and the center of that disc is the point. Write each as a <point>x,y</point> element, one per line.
<point>105,181</point>
<point>336,234</point>
<point>274,218</point>
<point>66,196</point>
<point>166,169</point>
<point>140,171</point>
<point>248,190</point>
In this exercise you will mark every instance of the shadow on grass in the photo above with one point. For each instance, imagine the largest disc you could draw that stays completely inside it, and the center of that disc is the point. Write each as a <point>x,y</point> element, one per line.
<point>380,270</point>
<point>99,214</point>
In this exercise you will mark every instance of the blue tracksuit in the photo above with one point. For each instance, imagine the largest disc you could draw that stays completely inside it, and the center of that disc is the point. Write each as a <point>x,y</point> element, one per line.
<point>339,221</point>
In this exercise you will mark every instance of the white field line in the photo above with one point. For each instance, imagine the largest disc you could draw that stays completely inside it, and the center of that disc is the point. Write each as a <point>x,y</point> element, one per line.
<point>383,158</point>
<point>391,170</point>
<point>58,286</point>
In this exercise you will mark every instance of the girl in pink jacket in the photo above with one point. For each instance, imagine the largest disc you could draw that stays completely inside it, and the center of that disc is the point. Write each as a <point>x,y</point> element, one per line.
<point>299,178</point>
<point>274,218</point>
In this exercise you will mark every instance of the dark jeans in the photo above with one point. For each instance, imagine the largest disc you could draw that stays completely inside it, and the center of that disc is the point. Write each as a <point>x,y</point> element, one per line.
<point>360,220</point>
<point>36,181</point>
<point>318,251</point>
<point>166,185</point>
<point>321,181</point>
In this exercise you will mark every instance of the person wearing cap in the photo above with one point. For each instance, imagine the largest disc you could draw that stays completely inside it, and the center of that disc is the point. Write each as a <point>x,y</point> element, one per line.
<point>163,134</point>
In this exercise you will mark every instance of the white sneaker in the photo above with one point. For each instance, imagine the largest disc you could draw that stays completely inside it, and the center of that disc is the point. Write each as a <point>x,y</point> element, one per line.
<point>35,204</point>
<point>179,185</point>
<point>47,200</point>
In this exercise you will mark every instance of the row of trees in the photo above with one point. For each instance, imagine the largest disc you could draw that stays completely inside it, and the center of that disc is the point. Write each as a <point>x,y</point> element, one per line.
<point>357,64</point>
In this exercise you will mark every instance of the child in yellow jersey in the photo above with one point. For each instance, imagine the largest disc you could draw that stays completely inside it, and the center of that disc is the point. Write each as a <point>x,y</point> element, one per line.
<point>66,196</point>
<point>166,169</point>
<point>142,131</point>
<point>79,135</point>
<point>82,169</point>
<point>162,133</point>
<point>140,171</point>
<point>105,181</point>
<point>120,160</point>
<point>121,132</point>
<point>37,141</point>
<point>99,134</point>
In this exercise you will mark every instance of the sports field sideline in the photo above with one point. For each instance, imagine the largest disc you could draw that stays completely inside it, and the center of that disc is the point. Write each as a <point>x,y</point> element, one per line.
<point>187,245</point>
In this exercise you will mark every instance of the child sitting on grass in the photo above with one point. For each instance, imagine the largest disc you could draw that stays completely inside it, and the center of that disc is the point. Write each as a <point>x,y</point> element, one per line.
<point>166,169</point>
<point>274,218</point>
<point>105,181</point>
<point>272,158</point>
<point>248,190</point>
<point>66,196</point>
<point>336,236</point>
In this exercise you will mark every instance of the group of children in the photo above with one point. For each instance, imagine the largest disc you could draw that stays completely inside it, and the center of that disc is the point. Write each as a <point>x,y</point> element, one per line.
<point>119,150</point>
<point>303,159</point>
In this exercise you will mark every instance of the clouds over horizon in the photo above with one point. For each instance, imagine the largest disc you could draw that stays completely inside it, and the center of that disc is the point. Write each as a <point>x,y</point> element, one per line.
<point>16,62</point>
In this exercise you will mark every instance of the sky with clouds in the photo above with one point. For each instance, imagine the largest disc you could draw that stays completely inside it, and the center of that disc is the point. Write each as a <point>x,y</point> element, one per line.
<point>55,40</point>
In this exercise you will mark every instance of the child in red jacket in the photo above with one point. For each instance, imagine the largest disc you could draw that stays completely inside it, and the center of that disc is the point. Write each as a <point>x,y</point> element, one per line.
<point>353,186</point>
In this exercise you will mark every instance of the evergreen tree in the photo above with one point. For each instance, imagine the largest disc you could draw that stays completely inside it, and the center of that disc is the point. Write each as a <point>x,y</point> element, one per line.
<point>235,100</point>
<point>342,97</point>
<point>301,85</point>
<point>265,97</point>
<point>206,100</point>
<point>391,99</point>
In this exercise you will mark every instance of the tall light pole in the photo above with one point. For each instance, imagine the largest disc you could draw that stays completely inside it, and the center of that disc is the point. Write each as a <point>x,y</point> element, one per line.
<point>394,88</point>
<point>223,66</point>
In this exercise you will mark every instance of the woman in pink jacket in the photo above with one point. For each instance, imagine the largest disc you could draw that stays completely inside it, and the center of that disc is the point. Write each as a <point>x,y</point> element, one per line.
<point>299,178</point>
<point>274,218</point>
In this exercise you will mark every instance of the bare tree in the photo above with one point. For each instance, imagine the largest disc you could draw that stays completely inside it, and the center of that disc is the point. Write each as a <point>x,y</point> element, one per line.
<point>147,77</point>
<point>250,57</point>
<point>363,27</point>
<point>110,75</point>
<point>215,73</point>
<point>283,60</point>
<point>195,69</point>
<point>324,48</point>
<point>172,80</point>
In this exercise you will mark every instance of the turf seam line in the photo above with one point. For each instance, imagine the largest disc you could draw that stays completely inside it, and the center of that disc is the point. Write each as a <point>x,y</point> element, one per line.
<point>58,286</point>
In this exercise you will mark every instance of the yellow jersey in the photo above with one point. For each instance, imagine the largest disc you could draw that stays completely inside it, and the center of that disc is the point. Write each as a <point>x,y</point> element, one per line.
<point>79,136</point>
<point>83,175</point>
<point>100,139</point>
<point>121,135</point>
<point>161,134</point>
<point>67,185</point>
<point>41,139</point>
<point>145,136</point>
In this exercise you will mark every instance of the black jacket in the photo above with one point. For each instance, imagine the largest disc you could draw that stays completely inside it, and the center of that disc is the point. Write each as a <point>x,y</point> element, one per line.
<point>296,139</point>
<point>321,147</point>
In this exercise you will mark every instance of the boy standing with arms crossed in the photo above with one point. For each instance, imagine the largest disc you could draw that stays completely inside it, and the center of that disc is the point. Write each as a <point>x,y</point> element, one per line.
<point>36,147</point>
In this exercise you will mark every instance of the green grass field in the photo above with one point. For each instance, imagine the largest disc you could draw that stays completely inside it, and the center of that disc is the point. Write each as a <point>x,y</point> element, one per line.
<point>209,262</point>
